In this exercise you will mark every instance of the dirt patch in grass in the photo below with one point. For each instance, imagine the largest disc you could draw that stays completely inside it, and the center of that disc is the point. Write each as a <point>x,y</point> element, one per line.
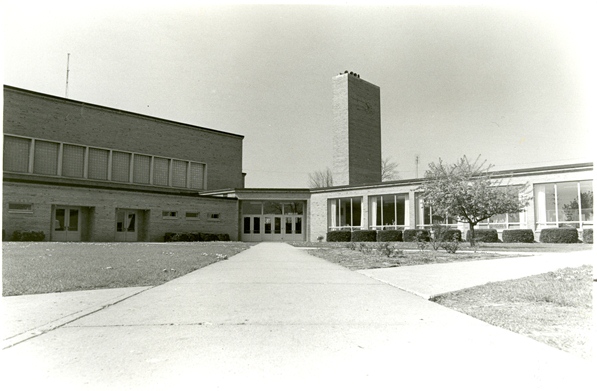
<point>554,308</point>
<point>358,260</point>
<point>44,267</point>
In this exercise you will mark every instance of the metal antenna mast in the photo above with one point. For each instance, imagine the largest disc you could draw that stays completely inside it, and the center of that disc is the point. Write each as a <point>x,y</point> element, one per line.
<point>67,70</point>
<point>417,164</point>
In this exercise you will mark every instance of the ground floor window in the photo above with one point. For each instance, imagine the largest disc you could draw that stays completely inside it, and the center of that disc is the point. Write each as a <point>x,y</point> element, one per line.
<point>502,221</point>
<point>564,204</point>
<point>388,211</point>
<point>346,213</point>
<point>426,217</point>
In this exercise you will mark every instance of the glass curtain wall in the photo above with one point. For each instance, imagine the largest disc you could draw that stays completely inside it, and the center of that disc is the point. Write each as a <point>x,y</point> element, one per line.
<point>345,214</point>
<point>388,212</point>
<point>564,204</point>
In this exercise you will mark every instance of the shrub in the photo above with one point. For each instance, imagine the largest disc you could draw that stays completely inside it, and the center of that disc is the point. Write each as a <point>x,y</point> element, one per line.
<point>451,246</point>
<point>389,236</point>
<point>559,235</point>
<point>194,237</point>
<point>363,236</point>
<point>587,235</point>
<point>209,237</point>
<point>484,235</point>
<point>518,236</point>
<point>447,235</point>
<point>169,237</point>
<point>338,236</point>
<point>410,235</point>
<point>223,237</point>
<point>28,236</point>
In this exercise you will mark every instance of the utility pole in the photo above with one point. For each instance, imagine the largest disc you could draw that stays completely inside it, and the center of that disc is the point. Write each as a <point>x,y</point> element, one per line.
<point>67,70</point>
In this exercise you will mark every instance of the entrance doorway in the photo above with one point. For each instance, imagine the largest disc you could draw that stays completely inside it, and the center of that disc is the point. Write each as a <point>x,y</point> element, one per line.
<point>127,225</point>
<point>67,224</point>
<point>272,221</point>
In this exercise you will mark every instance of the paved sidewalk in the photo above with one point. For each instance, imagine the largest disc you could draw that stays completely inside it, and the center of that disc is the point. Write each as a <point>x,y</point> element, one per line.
<point>274,317</point>
<point>431,280</point>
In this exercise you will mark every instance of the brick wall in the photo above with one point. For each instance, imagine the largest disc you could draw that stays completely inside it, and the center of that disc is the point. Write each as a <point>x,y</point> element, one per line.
<point>99,207</point>
<point>357,131</point>
<point>42,116</point>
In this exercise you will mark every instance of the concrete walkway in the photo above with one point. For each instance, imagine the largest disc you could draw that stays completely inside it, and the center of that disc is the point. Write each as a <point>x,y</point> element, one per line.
<point>273,317</point>
<point>432,280</point>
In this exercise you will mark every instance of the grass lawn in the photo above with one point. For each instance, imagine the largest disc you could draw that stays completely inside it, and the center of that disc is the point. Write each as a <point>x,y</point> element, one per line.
<point>44,267</point>
<point>554,308</point>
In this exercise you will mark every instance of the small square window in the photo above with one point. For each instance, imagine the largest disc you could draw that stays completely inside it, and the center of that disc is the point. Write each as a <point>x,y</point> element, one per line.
<point>192,215</point>
<point>169,214</point>
<point>19,208</point>
<point>213,217</point>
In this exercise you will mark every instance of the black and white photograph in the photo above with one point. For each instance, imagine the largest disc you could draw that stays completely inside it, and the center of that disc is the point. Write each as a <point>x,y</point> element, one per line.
<point>297,195</point>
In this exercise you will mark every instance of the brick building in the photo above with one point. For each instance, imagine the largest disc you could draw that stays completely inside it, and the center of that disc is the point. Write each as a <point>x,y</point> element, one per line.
<point>82,172</point>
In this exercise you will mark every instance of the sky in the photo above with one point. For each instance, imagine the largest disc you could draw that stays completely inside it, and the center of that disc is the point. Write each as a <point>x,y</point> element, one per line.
<point>511,83</point>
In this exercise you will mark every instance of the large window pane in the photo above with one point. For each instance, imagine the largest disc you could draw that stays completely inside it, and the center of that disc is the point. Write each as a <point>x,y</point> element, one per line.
<point>550,203</point>
<point>272,207</point>
<point>160,171</point>
<point>73,161</point>
<point>98,163</point>
<point>179,173</point>
<point>197,172</point>
<point>586,201</point>
<point>293,208</point>
<point>121,166</point>
<point>141,169</point>
<point>568,208</point>
<point>389,211</point>
<point>16,154</point>
<point>45,159</point>
<point>251,207</point>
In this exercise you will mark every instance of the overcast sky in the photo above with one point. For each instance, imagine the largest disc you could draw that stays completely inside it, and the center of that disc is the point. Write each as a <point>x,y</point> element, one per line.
<point>508,83</point>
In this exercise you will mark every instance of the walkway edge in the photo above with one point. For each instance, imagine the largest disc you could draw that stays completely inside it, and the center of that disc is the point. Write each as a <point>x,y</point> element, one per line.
<point>17,339</point>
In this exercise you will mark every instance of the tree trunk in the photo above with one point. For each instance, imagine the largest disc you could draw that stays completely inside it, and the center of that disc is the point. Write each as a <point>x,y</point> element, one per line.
<point>471,227</point>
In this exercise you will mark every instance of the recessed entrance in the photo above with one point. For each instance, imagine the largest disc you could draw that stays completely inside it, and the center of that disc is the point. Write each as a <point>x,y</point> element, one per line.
<point>272,221</point>
<point>67,224</point>
<point>127,225</point>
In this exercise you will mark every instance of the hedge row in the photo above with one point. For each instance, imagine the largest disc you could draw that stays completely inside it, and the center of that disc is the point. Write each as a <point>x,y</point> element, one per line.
<point>28,236</point>
<point>489,235</point>
<point>195,237</point>
<point>364,236</point>
<point>559,235</point>
<point>389,236</point>
<point>448,235</point>
<point>518,236</point>
<point>410,235</point>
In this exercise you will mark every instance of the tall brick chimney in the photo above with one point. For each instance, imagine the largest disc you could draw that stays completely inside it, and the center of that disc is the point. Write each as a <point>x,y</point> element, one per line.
<point>357,130</point>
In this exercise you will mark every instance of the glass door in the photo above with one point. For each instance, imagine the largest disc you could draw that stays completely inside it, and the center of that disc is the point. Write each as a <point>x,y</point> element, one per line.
<point>126,225</point>
<point>67,224</point>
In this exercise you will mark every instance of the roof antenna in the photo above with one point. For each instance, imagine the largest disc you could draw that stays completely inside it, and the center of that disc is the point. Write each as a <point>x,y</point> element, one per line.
<point>67,70</point>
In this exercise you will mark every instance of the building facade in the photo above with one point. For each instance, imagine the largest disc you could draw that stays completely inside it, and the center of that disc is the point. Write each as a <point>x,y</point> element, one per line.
<point>82,172</point>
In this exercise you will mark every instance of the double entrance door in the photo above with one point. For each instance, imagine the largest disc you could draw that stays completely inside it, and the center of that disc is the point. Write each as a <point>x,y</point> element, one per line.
<point>273,228</point>
<point>67,224</point>
<point>127,225</point>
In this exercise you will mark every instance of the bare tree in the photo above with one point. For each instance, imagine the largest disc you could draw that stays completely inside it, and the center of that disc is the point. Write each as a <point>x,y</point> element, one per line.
<point>389,170</point>
<point>321,178</point>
